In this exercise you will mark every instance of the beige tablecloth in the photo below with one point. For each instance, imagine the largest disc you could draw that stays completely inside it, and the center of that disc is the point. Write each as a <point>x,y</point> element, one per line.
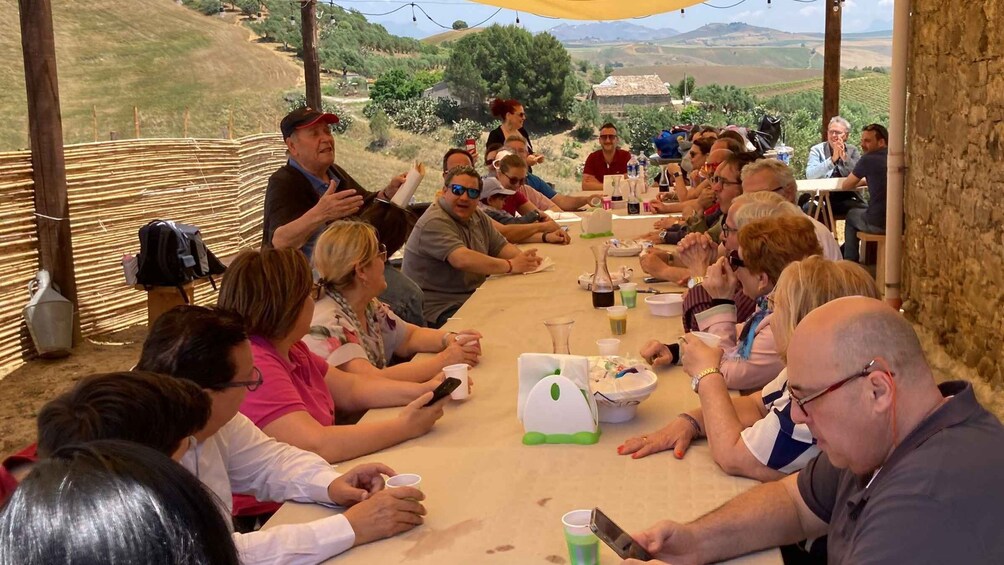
<point>493,500</point>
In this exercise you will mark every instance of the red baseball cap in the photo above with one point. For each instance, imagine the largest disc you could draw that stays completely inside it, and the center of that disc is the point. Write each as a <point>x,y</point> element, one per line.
<point>302,118</point>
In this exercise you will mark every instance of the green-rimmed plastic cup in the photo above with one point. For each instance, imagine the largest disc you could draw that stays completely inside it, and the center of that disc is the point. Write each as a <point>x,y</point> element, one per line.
<point>583,545</point>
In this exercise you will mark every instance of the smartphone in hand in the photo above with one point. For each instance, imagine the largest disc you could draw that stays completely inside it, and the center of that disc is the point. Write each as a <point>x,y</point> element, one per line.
<point>444,389</point>
<point>620,541</point>
<point>651,280</point>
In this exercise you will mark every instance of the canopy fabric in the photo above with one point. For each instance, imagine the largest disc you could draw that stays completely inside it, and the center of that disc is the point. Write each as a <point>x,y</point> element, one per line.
<point>592,9</point>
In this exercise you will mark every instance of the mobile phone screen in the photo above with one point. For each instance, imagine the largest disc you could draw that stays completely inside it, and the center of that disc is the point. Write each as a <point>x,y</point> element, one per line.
<point>618,540</point>
<point>444,388</point>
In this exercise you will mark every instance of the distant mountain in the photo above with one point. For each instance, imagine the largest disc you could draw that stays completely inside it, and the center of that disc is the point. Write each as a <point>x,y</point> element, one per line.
<point>609,31</point>
<point>735,34</point>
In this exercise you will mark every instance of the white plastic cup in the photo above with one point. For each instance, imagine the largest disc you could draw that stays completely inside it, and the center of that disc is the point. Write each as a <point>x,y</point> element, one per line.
<point>609,346</point>
<point>583,545</point>
<point>405,480</point>
<point>458,371</point>
<point>709,339</point>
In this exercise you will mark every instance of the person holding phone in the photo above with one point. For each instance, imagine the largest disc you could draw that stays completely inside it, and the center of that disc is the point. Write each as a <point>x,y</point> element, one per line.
<point>273,290</point>
<point>352,330</point>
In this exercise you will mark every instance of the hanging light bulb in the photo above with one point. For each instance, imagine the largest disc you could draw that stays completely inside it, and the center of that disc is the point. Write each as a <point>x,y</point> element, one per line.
<point>292,20</point>
<point>517,18</point>
<point>836,5</point>
<point>414,20</point>
<point>768,4</point>
<point>682,14</point>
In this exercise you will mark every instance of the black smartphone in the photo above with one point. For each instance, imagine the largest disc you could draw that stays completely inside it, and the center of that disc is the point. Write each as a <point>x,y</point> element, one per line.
<point>651,280</point>
<point>618,540</point>
<point>444,389</point>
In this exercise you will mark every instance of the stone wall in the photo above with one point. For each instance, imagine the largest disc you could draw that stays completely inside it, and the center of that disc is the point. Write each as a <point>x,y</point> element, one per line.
<point>954,202</point>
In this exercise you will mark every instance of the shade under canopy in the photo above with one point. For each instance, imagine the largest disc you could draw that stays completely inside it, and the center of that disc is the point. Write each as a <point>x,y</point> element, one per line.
<point>592,9</point>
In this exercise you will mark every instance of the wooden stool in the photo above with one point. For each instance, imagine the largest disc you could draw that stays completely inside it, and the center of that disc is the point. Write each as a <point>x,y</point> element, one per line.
<point>160,299</point>
<point>879,240</point>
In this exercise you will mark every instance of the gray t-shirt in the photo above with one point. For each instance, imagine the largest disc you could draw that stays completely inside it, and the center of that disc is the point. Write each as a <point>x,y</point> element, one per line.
<point>435,236</point>
<point>939,497</point>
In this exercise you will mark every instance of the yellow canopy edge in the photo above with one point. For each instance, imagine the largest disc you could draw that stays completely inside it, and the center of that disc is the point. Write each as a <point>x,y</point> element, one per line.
<point>592,9</point>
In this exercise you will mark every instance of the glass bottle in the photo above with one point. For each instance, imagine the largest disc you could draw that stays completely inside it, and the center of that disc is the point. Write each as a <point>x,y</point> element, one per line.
<point>602,285</point>
<point>561,330</point>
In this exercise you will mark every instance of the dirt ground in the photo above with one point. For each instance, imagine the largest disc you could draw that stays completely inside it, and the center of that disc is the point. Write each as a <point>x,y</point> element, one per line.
<point>25,390</point>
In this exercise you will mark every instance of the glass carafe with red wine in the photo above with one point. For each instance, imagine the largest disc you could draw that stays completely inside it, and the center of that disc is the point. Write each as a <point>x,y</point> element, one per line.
<point>602,285</point>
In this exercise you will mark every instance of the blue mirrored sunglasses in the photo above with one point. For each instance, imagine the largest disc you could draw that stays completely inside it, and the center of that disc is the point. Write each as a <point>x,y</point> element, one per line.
<point>472,193</point>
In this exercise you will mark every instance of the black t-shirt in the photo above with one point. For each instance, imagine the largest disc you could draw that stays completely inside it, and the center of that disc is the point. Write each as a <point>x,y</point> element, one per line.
<point>496,136</point>
<point>872,167</point>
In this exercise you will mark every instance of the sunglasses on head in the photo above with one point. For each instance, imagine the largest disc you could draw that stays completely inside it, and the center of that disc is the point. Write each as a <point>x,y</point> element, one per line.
<point>459,189</point>
<point>735,262</point>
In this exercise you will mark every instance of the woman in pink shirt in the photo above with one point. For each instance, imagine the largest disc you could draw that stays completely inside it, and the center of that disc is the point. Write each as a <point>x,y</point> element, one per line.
<point>272,290</point>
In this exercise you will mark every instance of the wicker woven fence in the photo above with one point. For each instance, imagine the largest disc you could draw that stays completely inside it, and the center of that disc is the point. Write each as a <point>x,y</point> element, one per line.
<point>114,188</point>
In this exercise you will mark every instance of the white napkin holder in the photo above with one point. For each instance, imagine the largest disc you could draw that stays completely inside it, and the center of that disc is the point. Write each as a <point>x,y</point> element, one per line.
<point>598,222</point>
<point>555,404</point>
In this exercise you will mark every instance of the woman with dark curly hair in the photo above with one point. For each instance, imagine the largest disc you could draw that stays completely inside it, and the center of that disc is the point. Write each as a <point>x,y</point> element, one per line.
<point>512,115</point>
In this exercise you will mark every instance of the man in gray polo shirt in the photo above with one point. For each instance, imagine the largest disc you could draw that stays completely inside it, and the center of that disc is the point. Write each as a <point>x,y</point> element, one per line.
<point>910,470</point>
<point>454,248</point>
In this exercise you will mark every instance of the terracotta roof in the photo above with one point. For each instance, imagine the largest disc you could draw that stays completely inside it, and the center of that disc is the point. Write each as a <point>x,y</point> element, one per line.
<point>644,85</point>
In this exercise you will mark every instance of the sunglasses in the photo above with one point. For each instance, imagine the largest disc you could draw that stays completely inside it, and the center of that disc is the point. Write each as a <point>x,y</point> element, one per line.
<point>608,137</point>
<point>521,114</point>
<point>250,385</point>
<point>458,190</point>
<point>514,181</point>
<point>735,262</point>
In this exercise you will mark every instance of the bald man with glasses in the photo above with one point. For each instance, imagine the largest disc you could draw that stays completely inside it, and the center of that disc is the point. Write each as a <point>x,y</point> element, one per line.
<point>909,470</point>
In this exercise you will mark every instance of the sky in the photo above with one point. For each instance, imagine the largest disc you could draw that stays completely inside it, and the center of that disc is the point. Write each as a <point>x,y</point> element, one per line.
<point>785,15</point>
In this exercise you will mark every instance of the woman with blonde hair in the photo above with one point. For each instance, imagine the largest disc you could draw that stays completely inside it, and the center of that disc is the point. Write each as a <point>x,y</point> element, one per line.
<point>273,291</point>
<point>754,436</point>
<point>354,331</point>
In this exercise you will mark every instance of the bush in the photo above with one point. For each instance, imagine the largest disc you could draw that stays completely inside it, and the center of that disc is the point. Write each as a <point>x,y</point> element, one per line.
<point>642,123</point>
<point>570,149</point>
<point>463,130</point>
<point>586,116</point>
<point>208,7</point>
<point>345,119</point>
<point>380,129</point>
<point>460,24</point>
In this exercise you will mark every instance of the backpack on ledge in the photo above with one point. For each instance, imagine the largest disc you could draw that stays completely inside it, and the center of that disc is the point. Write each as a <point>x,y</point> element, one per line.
<point>172,254</point>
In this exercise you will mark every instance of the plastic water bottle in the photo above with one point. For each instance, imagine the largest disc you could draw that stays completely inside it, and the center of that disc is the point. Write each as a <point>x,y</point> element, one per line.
<point>643,166</point>
<point>632,167</point>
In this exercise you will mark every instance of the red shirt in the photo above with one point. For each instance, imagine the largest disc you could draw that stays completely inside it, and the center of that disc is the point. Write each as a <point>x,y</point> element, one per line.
<point>598,167</point>
<point>513,202</point>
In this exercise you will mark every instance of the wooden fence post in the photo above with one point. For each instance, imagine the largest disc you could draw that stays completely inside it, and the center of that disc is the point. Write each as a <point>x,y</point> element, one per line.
<point>94,120</point>
<point>135,119</point>
<point>52,209</point>
<point>185,127</point>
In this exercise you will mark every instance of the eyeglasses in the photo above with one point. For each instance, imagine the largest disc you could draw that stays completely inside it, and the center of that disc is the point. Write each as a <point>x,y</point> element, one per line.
<point>862,373</point>
<point>521,114</point>
<point>514,181</point>
<point>735,262</point>
<point>459,189</point>
<point>710,167</point>
<point>614,136</point>
<point>250,385</point>
<point>723,181</point>
<point>836,132</point>
<point>382,255</point>
<point>726,230</point>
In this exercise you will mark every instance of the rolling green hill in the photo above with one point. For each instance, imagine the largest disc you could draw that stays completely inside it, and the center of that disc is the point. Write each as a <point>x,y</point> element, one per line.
<point>113,55</point>
<point>872,89</point>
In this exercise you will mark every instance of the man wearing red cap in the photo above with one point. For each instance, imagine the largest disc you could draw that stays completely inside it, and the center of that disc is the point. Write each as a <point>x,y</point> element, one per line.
<point>310,190</point>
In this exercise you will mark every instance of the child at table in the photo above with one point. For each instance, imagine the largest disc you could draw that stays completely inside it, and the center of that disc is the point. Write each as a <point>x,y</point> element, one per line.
<point>493,197</point>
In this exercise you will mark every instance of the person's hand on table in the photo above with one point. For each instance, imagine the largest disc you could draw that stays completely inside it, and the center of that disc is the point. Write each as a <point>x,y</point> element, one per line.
<point>670,541</point>
<point>458,352</point>
<point>652,262</point>
<point>358,484</point>
<point>658,207</point>
<point>698,356</point>
<point>336,205</point>
<point>546,224</point>
<point>656,353</point>
<point>385,514</point>
<point>720,280</point>
<point>418,418</point>
<point>526,261</point>
<point>666,223</point>
<point>652,236</point>
<point>676,435</point>
<point>558,237</point>
<point>469,337</point>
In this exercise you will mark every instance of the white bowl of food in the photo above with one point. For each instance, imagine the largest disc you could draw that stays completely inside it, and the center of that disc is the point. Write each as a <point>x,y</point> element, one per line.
<point>617,398</point>
<point>665,304</point>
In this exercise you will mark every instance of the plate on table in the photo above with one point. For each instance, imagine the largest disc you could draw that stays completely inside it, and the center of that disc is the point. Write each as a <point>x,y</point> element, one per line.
<point>618,276</point>
<point>627,248</point>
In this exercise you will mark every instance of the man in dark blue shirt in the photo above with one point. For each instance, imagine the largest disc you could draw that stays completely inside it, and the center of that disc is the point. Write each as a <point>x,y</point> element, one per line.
<point>872,168</point>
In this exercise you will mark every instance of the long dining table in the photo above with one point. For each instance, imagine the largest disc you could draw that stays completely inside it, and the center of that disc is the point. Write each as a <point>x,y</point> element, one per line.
<point>490,499</point>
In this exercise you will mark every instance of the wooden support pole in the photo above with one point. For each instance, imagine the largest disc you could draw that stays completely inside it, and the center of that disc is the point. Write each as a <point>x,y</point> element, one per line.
<point>94,120</point>
<point>230,124</point>
<point>184,132</point>
<point>135,120</point>
<point>831,64</point>
<point>55,246</point>
<point>311,65</point>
